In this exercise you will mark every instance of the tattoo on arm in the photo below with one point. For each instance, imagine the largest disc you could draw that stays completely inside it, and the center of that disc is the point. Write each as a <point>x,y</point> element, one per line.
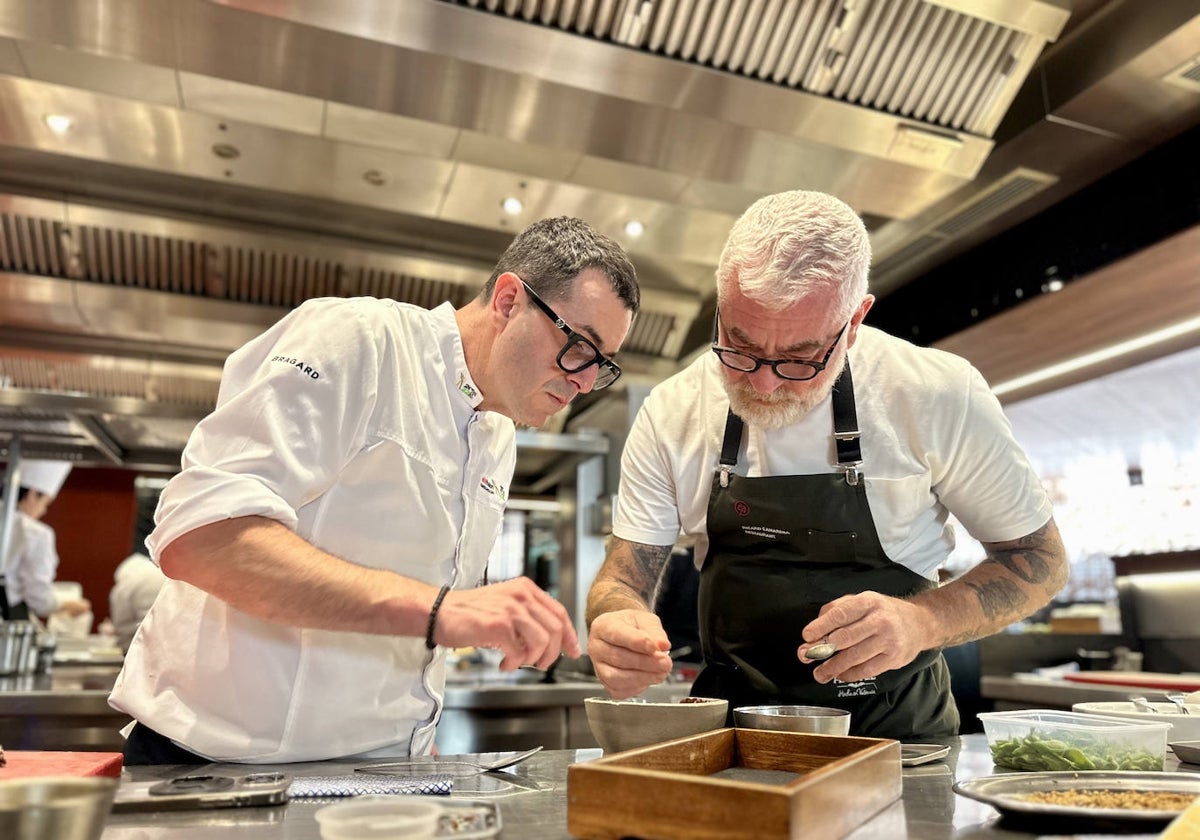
<point>1032,569</point>
<point>628,577</point>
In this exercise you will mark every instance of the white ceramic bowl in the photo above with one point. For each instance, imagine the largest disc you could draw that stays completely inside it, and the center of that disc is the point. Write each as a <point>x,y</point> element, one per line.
<point>380,818</point>
<point>624,724</point>
<point>1183,727</point>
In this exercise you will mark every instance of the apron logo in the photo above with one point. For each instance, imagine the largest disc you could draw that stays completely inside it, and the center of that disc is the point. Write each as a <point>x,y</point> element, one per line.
<point>862,688</point>
<point>741,508</point>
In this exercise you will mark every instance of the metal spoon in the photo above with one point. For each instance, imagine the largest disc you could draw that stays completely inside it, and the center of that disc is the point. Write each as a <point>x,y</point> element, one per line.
<point>820,651</point>
<point>1177,699</point>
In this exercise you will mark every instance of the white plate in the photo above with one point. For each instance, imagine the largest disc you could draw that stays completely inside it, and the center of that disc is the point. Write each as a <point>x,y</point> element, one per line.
<point>1183,727</point>
<point>1003,792</point>
<point>913,754</point>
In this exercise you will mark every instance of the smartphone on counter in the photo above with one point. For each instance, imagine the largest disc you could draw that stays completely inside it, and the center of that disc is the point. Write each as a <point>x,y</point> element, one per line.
<point>199,791</point>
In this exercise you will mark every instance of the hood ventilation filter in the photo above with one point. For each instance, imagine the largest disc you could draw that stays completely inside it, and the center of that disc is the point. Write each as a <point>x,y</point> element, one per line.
<point>1187,75</point>
<point>908,57</point>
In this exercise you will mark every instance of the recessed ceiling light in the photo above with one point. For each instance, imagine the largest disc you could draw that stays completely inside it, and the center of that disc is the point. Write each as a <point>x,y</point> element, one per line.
<point>58,123</point>
<point>634,228</point>
<point>512,205</point>
<point>1053,285</point>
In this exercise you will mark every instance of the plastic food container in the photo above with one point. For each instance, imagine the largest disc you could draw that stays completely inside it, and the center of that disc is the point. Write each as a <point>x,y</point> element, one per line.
<point>378,817</point>
<point>1044,739</point>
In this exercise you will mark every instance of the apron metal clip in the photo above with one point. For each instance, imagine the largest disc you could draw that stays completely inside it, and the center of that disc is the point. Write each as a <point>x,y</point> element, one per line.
<point>723,472</point>
<point>851,470</point>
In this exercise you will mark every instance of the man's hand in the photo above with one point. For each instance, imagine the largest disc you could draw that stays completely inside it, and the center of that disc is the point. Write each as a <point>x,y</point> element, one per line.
<point>76,607</point>
<point>515,617</point>
<point>628,649</point>
<point>873,633</point>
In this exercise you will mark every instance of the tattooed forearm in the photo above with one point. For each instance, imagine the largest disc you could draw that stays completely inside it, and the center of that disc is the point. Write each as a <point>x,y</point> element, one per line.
<point>1017,578</point>
<point>1027,558</point>
<point>1037,559</point>
<point>999,598</point>
<point>628,577</point>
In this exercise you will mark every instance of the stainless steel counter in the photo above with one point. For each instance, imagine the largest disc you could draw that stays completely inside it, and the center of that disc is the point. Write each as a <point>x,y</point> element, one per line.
<point>68,709</point>
<point>929,809</point>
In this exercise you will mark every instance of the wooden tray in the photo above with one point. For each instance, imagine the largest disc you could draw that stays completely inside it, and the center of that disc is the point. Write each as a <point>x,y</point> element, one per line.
<point>735,783</point>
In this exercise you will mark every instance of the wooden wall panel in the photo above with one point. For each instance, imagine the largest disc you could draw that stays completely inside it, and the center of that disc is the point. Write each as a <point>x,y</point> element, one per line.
<point>1155,288</point>
<point>93,520</point>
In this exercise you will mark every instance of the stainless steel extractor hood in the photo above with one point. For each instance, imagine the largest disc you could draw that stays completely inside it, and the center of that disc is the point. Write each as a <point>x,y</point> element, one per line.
<point>174,176</point>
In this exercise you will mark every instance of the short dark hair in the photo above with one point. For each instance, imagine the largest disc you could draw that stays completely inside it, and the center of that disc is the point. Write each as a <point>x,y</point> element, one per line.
<point>550,254</point>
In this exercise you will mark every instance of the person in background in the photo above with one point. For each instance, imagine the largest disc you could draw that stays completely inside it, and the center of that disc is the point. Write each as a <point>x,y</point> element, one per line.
<point>32,561</point>
<point>819,502</point>
<point>136,583</point>
<point>328,535</point>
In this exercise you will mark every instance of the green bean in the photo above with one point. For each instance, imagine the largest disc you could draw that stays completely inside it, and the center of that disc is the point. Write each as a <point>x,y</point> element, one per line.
<point>1038,751</point>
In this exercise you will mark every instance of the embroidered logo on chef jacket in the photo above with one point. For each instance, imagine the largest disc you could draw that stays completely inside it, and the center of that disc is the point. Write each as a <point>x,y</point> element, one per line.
<point>299,365</point>
<point>466,387</point>
<point>495,488</point>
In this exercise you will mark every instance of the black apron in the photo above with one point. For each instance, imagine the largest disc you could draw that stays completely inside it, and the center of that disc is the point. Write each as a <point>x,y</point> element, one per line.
<point>780,548</point>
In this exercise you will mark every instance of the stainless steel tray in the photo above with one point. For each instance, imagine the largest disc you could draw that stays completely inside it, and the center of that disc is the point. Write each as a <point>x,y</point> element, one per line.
<point>1003,793</point>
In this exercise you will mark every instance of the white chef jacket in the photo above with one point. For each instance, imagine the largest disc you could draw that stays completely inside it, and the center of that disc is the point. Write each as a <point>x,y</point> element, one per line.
<point>136,584</point>
<point>32,565</point>
<point>934,441</point>
<point>354,423</point>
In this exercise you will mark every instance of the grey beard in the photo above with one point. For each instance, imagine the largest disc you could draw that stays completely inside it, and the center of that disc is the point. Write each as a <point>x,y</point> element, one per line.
<point>775,410</point>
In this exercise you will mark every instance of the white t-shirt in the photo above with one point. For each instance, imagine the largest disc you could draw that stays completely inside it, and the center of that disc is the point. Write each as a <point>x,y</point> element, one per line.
<point>934,441</point>
<point>353,422</point>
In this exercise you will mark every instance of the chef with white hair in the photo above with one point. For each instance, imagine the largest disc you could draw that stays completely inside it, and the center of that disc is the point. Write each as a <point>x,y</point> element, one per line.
<point>32,560</point>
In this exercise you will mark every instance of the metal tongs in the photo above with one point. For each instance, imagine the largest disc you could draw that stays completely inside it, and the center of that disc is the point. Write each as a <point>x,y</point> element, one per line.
<point>455,766</point>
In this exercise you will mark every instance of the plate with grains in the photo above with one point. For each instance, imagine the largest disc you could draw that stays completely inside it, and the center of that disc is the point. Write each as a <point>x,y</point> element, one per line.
<point>1124,797</point>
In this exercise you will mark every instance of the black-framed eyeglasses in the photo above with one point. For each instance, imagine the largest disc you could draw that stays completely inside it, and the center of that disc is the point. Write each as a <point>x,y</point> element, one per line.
<point>578,353</point>
<point>794,370</point>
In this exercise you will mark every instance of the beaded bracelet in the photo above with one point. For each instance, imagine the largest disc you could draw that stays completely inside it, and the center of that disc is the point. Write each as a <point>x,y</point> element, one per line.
<point>437,603</point>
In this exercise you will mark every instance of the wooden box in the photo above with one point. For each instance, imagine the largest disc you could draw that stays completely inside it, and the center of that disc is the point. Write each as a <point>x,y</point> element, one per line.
<point>735,783</point>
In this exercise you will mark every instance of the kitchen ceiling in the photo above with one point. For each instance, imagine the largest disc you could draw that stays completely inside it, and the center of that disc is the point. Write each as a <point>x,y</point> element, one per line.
<point>226,160</point>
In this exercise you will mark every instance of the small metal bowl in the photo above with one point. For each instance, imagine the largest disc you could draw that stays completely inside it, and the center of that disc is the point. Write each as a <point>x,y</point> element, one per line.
<point>55,807</point>
<point>822,720</point>
<point>1186,751</point>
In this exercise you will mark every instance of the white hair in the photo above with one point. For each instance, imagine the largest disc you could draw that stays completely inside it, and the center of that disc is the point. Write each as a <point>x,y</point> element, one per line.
<point>791,245</point>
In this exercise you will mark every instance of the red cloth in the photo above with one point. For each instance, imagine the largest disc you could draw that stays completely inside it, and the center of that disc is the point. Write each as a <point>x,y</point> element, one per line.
<point>20,765</point>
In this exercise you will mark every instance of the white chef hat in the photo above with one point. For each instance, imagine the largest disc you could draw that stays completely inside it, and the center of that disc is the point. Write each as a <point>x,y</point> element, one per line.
<point>46,477</point>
